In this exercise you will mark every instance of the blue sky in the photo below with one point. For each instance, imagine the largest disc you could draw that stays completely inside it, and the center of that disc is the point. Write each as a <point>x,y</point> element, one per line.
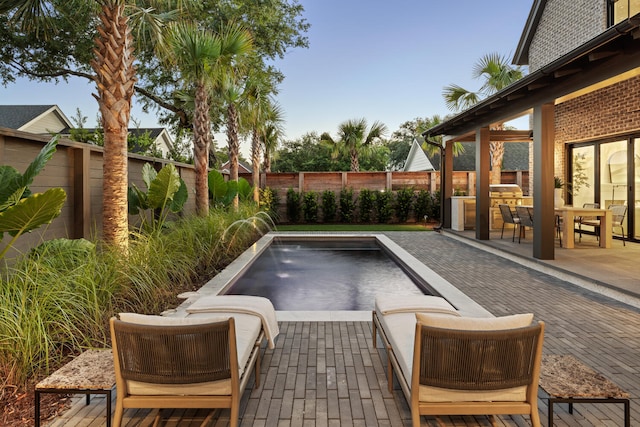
<point>378,59</point>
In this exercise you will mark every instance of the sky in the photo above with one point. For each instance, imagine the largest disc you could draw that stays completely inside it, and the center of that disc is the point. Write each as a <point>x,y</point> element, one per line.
<point>383,60</point>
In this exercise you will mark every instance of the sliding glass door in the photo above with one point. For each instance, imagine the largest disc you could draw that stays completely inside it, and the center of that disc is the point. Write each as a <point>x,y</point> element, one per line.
<point>608,173</point>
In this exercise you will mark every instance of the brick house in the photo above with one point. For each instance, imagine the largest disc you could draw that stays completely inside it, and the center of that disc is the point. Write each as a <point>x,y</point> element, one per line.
<point>583,90</point>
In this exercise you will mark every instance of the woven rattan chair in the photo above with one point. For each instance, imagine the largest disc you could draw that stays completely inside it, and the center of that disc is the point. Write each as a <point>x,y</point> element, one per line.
<point>475,361</point>
<point>525,213</point>
<point>177,366</point>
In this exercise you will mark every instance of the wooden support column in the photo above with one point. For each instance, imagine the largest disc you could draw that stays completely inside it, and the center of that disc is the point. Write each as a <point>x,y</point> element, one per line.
<point>483,163</point>
<point>446,183</point>
<point>543,170</point>
<point>81,193</point>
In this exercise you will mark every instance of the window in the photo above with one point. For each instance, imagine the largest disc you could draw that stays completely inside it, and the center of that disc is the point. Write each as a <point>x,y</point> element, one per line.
<point>619,10</point>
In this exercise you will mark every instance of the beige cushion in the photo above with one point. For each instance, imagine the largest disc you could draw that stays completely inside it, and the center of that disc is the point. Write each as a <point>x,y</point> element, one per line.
<point>475,323</point>
<point>212,388</point>
<point>149,319</point>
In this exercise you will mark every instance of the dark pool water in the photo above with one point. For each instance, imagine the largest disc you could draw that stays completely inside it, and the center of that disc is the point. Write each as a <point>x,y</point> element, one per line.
<point>325,275</point>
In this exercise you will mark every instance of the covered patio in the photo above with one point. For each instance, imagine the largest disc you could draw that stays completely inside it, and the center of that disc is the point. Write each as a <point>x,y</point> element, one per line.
<point>609,58</point>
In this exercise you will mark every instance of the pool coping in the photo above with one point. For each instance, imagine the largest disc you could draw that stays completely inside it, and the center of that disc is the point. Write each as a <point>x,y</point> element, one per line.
<point>465,305</point>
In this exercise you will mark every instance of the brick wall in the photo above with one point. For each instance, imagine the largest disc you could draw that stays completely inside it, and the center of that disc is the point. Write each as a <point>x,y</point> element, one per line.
<point>611,110</point>
<point>565,25</point>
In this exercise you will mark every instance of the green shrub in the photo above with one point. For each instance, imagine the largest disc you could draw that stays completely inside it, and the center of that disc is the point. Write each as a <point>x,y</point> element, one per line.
<point>422,205</point>
<point>310,207</point>
<point>347,205</point>
<point>404,203</point>
<point>384,206</point>
<point>269,202</point>
<point>293,205</point>
<point>329,206</point>
<point>434,207</point>
<point>366,205</point>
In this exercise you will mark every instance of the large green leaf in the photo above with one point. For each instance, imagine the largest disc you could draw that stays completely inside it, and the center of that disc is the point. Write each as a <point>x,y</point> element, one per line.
<point>217,185</point>
<point>180,198</point>
<point>232,190</point>
<point>40,161</point>
<point>148,174</point>
<point>9,182</point>
<point>164,187</point>
<point>245,191</point>
<point>136,200</point>
<point>32,212</point>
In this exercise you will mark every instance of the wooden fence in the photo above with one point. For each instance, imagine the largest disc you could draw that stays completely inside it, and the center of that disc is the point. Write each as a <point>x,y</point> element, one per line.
<point>77,168</point>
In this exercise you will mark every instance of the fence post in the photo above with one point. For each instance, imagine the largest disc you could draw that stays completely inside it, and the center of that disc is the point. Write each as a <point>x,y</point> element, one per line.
<point>81,192</point>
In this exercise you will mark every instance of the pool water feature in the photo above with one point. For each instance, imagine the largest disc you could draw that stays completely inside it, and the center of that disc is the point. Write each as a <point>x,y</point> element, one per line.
<point>323,274</point>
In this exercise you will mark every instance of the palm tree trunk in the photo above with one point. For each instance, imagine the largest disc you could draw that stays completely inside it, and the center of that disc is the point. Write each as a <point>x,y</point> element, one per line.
<point>115,79</point>
<point>234,146</point>
<point>355,162</point>
<point>497,154</point>
<point>255,166</point>
<point>496,149</point>
<point>201,145</point>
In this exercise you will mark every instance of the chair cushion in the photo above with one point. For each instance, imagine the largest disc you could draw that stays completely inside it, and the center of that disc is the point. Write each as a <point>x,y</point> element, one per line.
<point>475,323</point>
<point>149,319</point>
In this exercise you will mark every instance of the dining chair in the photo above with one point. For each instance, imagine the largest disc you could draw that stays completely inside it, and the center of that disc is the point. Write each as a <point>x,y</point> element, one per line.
<point>618,215</point>
<point>509,217</point>
<point>580,220</point>
<point>525,214</point>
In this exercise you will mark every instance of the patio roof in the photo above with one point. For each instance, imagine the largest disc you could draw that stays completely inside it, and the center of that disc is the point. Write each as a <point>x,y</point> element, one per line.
<point>611,53</point>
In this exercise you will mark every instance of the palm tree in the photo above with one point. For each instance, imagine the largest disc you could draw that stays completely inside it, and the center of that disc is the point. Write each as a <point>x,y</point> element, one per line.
<point>497,74</point>
<point>272,131</point>
<point>197,53</point>
<point>258,103</point>
<point>115,77</point>
<point>354,139</point>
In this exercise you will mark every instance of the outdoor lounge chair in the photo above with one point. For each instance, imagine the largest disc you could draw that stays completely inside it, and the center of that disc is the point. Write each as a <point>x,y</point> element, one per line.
<point>464,366</point>
<point>164,362</point>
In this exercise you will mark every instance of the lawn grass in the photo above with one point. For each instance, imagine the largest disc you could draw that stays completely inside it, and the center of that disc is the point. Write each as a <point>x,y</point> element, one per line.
<point>354,227</point>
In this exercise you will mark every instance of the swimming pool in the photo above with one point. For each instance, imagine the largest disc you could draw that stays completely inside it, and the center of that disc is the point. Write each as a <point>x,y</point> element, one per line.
<point>325,274</point>
<point>419,273</point>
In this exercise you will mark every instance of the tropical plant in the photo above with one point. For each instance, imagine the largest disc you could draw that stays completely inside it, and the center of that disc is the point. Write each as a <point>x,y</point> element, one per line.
<point>222,192</point>
<point>354,138</point>
<point>21,210</point>
<point>497,74</point>
<point>198,54</point>
<point>166,193</point>
<point>44,24</point>
<point>245,190</point>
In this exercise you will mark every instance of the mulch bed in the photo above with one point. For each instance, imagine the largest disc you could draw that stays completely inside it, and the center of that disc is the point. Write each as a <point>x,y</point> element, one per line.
<point>18,408</point>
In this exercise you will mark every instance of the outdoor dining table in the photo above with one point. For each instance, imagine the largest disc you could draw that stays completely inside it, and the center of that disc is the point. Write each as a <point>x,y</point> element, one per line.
<point>568,213</point>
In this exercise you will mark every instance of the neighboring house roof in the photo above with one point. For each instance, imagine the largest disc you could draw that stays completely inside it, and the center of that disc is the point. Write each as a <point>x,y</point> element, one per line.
<point>39,119</point>
<point>48,119</point>
<point>516,157</point>
<point>242,167</point>
<point>417,159</point>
